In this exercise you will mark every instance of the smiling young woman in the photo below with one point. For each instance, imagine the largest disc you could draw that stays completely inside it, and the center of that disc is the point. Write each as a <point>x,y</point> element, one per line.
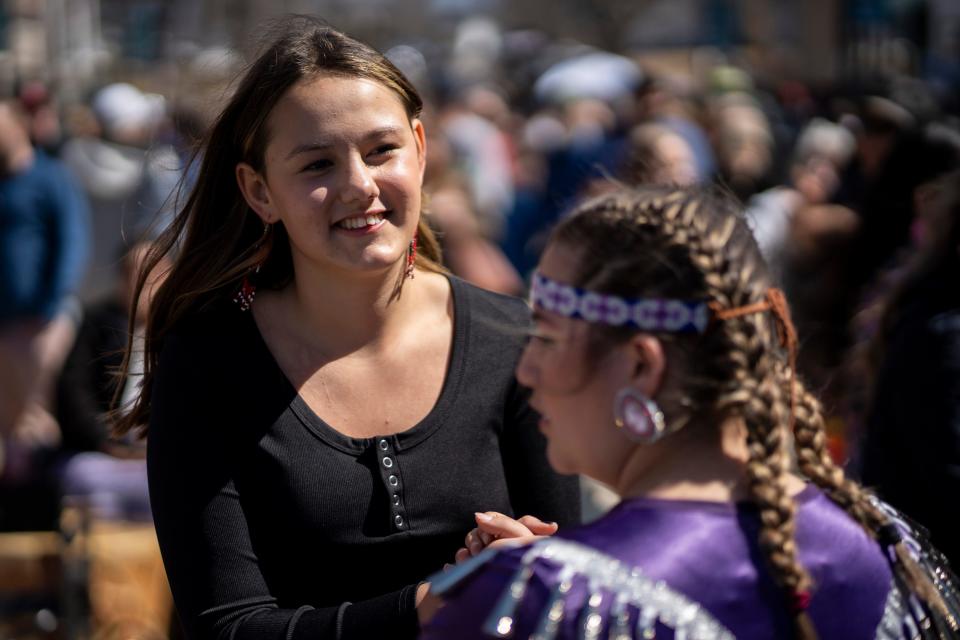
<point>315,451</point>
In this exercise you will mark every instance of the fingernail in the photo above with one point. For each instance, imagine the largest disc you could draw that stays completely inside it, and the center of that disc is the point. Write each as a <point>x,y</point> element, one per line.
<point>482,517</point>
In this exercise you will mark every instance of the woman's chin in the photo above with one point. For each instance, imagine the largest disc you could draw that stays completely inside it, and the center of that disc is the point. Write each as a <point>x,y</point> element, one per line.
<point>560,462</point>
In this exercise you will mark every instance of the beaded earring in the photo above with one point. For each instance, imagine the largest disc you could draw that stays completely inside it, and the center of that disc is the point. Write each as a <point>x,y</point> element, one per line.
<point>411,258</point>
<point>248,290</point>
<point>640,418</point>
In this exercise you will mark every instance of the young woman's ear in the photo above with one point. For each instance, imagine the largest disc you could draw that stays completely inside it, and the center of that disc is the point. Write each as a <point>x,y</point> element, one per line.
<point>256,192</point>
<point>421,139</point>
<point>650,363</point>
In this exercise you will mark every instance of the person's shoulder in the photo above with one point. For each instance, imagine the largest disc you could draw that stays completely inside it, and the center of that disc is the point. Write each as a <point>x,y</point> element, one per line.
<point>57,175</point>
<point>560,582</point>
<point>216,329</point>
<point>490,304</point>
<point>854,556</point>
<point>826,518</point>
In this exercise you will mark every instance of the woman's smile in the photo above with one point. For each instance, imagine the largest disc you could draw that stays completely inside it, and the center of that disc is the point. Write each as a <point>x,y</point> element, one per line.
<point>362,224</point>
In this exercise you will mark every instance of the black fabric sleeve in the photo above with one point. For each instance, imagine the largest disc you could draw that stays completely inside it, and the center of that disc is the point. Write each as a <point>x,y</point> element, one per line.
<point>212,566</point>
<point>79,409</point>
<point>535,488</point>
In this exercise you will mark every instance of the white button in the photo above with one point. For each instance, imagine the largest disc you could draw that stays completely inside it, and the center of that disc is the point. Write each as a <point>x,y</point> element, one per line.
<point>396,499</point>
<point>398,520</point>
<point>384,445</point>
<point>387,462</point>
<point>393,480</point>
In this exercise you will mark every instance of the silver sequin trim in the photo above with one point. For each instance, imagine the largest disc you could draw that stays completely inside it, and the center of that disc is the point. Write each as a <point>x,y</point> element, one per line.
<point>892,625</point>
<point>608,578</point>
<point>903,618</point>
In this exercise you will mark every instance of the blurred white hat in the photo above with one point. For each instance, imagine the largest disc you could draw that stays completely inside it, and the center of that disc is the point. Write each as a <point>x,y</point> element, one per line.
<point>121,107</point>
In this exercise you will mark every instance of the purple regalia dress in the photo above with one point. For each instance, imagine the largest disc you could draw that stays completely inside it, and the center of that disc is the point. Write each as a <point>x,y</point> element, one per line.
<point>655,568</point>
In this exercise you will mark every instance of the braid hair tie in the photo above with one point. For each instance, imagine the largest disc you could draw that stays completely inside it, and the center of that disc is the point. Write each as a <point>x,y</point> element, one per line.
<point>774,301</point>
<point>799,601</point>
<point>889,535</point>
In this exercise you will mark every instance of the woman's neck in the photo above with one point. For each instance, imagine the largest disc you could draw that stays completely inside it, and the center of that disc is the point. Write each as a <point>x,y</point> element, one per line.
<point>699,462</point>
<point>347,312</point>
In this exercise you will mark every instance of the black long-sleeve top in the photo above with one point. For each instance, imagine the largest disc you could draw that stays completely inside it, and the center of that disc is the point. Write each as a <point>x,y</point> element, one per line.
<point>274,525</point>
<point>88,380</point>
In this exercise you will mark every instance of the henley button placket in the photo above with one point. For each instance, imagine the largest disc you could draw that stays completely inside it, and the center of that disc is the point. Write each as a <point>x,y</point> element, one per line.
<point>392,480</point>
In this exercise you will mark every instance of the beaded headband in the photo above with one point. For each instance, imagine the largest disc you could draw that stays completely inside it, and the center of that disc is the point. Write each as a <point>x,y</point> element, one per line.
<point>646,314</point>
<point>657,314</point>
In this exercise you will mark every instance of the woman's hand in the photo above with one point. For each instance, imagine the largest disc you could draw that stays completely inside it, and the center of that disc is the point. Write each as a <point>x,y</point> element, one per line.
<point>427,603</point>
<point>493,528</point>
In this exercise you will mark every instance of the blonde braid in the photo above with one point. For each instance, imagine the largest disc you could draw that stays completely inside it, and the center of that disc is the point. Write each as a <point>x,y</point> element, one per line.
<point>815,462</point>
<point>762,402</point>
<point>754,390</point>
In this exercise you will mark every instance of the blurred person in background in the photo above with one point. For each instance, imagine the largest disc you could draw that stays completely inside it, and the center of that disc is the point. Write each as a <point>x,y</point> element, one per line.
<point>805,238</point>
<point>466,248</point>
<point>935,152</point>
<point>910,445</point>
<point>743,142</point>
<point>821,154</point>
<point>43,118</point>
<point>661,362</point>
<point>539,136</point>
<point>483,153</point>
<point>658,155</point>
<point>108,475</point>
<point>892,160</point>
<point>44,246</point>
<point>667,102</point>
<point>326,410</point>
<point>467,252</point>
<point>128,174</point>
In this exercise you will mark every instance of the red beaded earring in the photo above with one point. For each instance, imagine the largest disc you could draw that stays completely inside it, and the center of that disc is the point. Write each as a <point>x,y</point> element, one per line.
<point>411,258</point>
<point>248,290</point>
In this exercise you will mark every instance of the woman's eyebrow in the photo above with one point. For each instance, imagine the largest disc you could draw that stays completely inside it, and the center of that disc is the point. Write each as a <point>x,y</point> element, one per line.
<point>307,147</point>
<point>310,147</point>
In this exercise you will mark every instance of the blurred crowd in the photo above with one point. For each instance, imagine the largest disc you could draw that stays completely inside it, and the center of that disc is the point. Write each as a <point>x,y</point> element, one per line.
<point>851,190</point>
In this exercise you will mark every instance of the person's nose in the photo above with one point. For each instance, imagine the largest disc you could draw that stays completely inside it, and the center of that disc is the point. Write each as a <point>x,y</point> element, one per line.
<point>359,183</point>
<point>527,373</point>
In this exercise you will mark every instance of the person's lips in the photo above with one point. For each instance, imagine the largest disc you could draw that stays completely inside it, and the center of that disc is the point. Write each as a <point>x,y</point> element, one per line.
<point>367,221</point>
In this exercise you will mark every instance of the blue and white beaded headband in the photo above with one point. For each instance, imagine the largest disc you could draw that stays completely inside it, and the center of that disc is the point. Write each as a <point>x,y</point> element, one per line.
<point>646,314</point>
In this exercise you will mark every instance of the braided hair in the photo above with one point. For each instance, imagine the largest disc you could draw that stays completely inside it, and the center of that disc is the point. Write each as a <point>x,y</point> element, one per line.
<point>692,243</point>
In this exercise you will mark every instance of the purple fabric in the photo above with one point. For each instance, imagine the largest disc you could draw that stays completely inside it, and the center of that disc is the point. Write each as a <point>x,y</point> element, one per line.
<point>113,488</point>
<point>707,552</point>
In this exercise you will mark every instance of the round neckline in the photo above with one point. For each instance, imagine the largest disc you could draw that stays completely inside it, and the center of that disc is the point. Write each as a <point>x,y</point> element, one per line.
<point>410,436</point>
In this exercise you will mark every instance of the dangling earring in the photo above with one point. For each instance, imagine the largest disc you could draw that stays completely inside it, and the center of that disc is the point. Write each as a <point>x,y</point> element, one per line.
<point>639,416</point>
<point>248,290</point>
<point>411,258</point>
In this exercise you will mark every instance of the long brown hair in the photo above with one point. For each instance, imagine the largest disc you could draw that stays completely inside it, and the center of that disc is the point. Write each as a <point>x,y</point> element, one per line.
<point>215,238</point>
<point>693,244</point>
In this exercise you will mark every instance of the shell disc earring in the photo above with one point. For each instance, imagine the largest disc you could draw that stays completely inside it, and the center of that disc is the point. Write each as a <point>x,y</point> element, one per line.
<point>638,416</point>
